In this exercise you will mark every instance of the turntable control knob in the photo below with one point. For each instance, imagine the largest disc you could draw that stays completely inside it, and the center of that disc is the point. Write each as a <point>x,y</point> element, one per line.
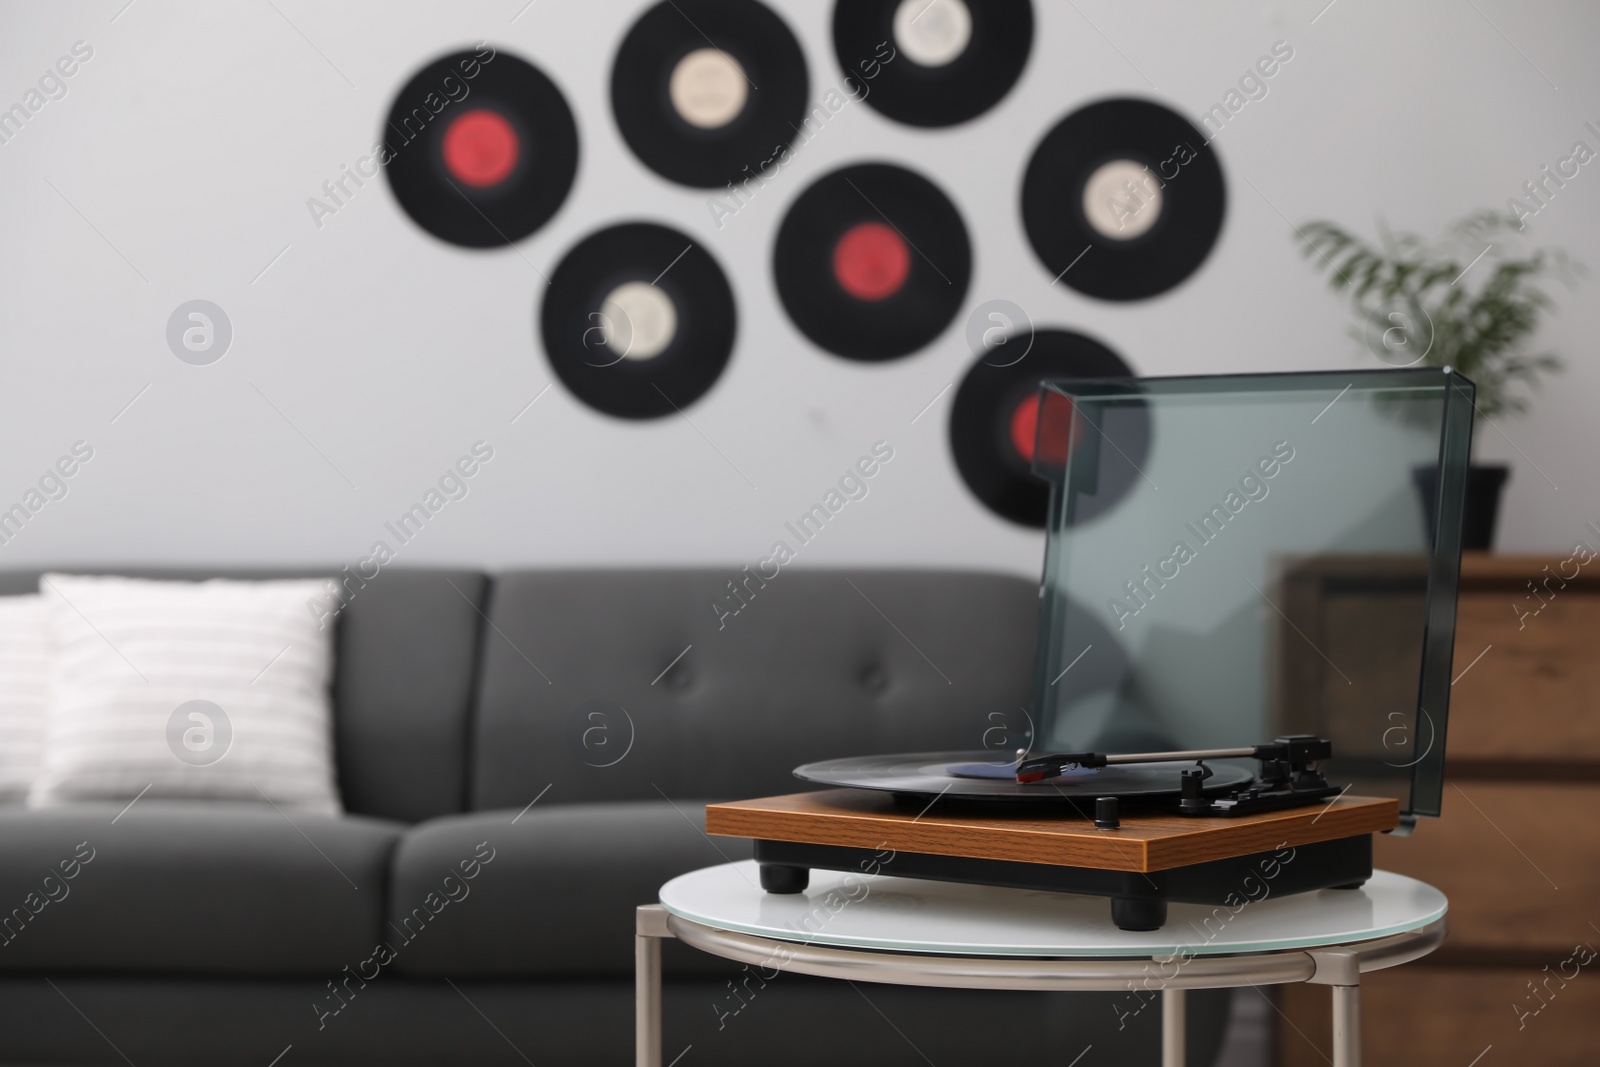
<point>1107,815</point>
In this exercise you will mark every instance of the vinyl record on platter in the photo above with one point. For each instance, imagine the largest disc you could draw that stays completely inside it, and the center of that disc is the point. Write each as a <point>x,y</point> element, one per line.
<point>974,776</point>
<point>932,62</point>
<point>482,148</point>
<point>708,92</point>
<point>872,262</point>
<point>638,321</point>
<point>1123,199</point>
<point>995,415</point>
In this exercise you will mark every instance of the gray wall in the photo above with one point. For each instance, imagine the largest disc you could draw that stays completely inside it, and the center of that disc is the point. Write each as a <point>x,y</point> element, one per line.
<point>368,356</point>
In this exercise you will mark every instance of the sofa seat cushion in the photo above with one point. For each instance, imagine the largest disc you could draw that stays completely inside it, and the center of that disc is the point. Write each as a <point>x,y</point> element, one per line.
<point>190,887</point>
<point>552,890</point>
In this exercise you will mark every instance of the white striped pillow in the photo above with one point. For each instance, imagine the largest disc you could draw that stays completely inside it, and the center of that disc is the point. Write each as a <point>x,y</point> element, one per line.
<point>214,689</point>
<point>24,678</point>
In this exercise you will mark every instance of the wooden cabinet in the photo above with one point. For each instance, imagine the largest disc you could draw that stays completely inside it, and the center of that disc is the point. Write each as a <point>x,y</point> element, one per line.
<point>1517,849</point>
<point>1534,695</point>
<point>1424,1014</point>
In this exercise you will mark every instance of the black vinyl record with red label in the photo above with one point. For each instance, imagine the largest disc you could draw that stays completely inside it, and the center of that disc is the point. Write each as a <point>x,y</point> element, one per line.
<point>987,776</point>
<point>708,92</point>
<point>1123,199</point>
<point>481,148</point>
<point>872,262</point>
<point>638,321</point>
<point>932,62</point>
<point>996,413</point>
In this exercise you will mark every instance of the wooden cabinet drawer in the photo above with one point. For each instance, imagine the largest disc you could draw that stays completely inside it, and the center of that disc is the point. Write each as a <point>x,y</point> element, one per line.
<point>1519,862</point>
<point>1535,694</point>
<point>1422,1014</point>
<point>1526,689</point>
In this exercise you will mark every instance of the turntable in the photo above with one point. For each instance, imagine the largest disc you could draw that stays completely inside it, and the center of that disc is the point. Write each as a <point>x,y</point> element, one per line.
<point>1170,625</point>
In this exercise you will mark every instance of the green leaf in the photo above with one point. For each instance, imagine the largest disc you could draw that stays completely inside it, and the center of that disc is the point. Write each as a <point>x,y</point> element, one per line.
<point>1482,316</point>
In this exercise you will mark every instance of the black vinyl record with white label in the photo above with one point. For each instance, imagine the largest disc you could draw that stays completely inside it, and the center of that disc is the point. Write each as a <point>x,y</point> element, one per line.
<point>480,148</point>
<point>872,262</point>
<point>932,62</point>
<point>638,321</point>
<point>708,92</point>
<point>982,776</point>
<point>995,416</point>
<point>1123,199</point>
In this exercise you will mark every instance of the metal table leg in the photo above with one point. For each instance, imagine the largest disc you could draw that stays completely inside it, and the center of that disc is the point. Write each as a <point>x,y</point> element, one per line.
<point>1340,969</point>
<point>1346,1026</point>
<point>650,926</point>
<point>1174,1045</point>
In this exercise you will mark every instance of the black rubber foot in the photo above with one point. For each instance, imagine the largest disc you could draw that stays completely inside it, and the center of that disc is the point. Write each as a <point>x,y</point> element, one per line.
<point>1351,885</point>
<point>776,878</point>
<point>1138,914</point>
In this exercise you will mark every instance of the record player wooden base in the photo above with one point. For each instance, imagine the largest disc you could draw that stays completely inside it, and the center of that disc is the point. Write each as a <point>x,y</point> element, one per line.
<point>1148,860</point>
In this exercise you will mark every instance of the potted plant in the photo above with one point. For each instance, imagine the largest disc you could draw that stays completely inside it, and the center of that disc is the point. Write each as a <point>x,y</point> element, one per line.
<point>1470,301</point>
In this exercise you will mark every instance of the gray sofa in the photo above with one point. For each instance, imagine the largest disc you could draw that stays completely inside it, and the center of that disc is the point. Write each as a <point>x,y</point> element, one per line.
<point>221,934</point>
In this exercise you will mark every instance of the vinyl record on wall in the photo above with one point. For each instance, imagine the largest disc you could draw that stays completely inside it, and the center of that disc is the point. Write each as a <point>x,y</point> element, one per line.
<point>1130,187</point>
<point>932,62</point>
<point>482,148</point>
<point>996,412</point>
<point>708,92</point>
<point>638,320</point>
<point>872,261</point>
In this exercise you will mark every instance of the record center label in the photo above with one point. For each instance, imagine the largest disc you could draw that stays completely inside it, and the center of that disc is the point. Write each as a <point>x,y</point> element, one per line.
<point>638,320</point>
<point>480,148</point>
<point>1121,199</point>
<point>708,88</point>
<point>932,33</point>
<point>1025,427</point>
<point>871,261</point>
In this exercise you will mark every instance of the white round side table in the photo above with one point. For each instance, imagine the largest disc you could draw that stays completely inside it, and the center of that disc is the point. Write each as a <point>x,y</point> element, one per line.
<point>904,931</point>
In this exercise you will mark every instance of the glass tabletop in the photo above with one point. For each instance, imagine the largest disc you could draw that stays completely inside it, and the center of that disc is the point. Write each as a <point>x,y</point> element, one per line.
<point>884,913</point>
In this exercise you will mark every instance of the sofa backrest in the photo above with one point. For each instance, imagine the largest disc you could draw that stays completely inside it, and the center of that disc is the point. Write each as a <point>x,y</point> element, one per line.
<point>619,684</point>
<point>406,651</point>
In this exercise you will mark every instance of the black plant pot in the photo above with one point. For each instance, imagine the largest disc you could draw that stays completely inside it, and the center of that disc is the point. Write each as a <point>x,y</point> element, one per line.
<point>1485,481</point>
